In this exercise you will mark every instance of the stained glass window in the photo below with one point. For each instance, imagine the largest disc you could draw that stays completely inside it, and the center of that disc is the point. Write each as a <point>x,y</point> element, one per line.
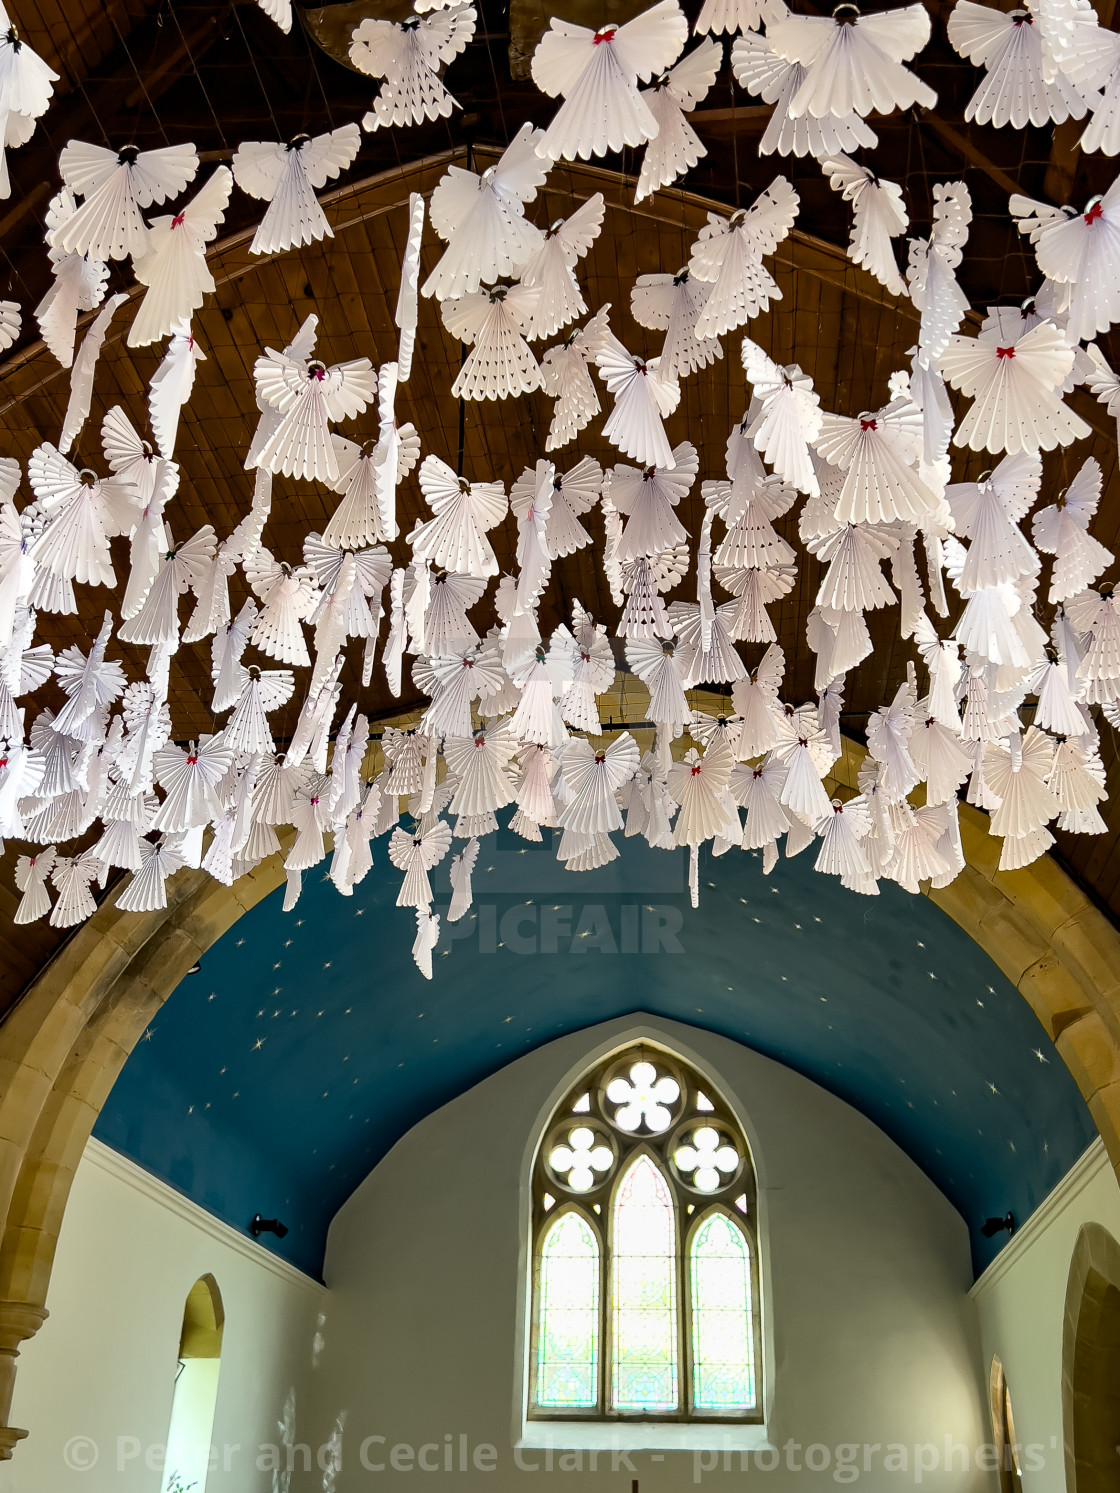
<point>722,1317</point>
<point>644,1221</point>
<point>568,1316</point>
<point>644,1293</point>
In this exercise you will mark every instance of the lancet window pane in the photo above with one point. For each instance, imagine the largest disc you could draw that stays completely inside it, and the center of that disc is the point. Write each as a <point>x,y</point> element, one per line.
<point>644,1293</point>
<point>568,1322</point>
<point>723,1372</point>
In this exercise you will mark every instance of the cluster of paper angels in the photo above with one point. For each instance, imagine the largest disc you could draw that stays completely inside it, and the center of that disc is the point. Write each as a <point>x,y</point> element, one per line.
<point>997,708</point>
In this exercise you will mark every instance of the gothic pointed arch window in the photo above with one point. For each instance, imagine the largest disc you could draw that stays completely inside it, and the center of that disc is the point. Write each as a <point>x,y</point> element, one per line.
<point>645,1251</point>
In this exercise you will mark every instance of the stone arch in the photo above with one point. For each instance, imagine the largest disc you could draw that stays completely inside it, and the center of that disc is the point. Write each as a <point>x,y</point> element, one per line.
<point>1091,1364</point>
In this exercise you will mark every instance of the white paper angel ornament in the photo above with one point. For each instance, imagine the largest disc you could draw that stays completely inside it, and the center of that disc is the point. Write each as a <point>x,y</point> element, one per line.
<point>878,453</point>
<point>648,499</point>
<point>698,784</point>
<point>755,698</point>
<point>672,304</point>
<point>1021,86</point>
<point>729,16</point>
<point>759,69</point>
<point>729,253</point>
<point>309,396</point>
<point>987,514</point>
<point>287,178</point>
<point>173,263</point>
<point>588,665</point>
<point>368,475</point>
<point>287,594</point>
<point>1015,383</point>
<point>83,512</point>
<point>408,55</point>
<point>454,682</point>
<point>643,397</point>
<point>416,855</point>
<point>32,874</point>
<point>1081,250</point>
<point>566,378</point>
<point>551,269</point>
<point>263,691</point>
<point>190,777</point>
<point>79,285</point>
<point>787,420</point>
<point>597,72</point>
<point>480,762</point>
<point>426,940</point>
<point>147,890</point>
<point>115,186</point>
<point>932,265</point>
<point>592,778</point>
<point>482,219</point>
<point>171,387</point>
<point>660,664</point>
<point>462,895</point>
<point>455,538</point>
<point>1062,530</point>
<point>182,568</point>
<point>1077,780</point>
<point>878,215</point>
<point>676,147</point>
<point>854,62</point>
<point>71,876</point>
<point>500,364</point>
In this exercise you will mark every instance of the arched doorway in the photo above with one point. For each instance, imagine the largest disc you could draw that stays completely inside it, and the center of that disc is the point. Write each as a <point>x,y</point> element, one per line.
<point>196,1389</point>
<point>1091,1364</point>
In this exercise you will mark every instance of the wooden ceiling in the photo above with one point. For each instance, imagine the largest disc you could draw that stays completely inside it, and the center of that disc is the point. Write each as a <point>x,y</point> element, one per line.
<point>220,74</point>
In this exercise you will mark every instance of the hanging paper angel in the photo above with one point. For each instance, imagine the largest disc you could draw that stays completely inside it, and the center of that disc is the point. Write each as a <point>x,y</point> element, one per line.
<point>1015,383</point>
<point>32,874</point>
<point>676,147</point>
<point>482,219</point>
<point>71,876</point>
<point>672,304</point>
<point>287,594</point>
<point>1080,250</point>
<point>643,397</point>
<point>182,568</point>
<point>597,72</point>
<point>729,16</point>
<point>592,778</point>
<point>309,396</point>
<point>462,895</point>
<point>1020,86</point>
<point>455,538</point>
<point>83,512</point>
<point>480,763</point>
<point>80,282</point>
<point>416,855</point>
<point>878,215</point>
<point>173,262</point>
<point>408,55</point>
<point>931,270</point>
<point>115,186</point>
<point>262,692</point>
<point>406,314</point>
<point>81,376</point>
<point>500,364</point>
<point>788,419</point>
<point>566,378</point>
<point>853,62</point>
<point>454,682</point>
<point>759,69</point>
<point>588,664</point>
<point>279,11</point>
<point>1062,530</point>
<point>287,178</point>
<point>755,698</point>
<point>878,453</point>
<point>729,254</point>
<point>212,610</point>
<point>648,498</point>
<point>368,475</point>
<point>190,777</point>
<point>551,269</point>
<point>147,890</point>
<point>171,387</point>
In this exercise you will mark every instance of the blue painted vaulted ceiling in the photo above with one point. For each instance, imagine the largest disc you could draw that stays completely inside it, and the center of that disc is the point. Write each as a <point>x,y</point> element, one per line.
<point>278,1075</point>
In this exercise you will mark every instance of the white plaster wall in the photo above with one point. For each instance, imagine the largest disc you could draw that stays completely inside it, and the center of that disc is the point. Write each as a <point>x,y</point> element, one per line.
<point>1020,1300</point>
<point>102,1367</point>
<point>874,1335</point>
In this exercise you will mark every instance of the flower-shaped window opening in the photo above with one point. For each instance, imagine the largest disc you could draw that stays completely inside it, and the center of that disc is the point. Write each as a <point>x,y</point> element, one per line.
<point>577,1163</point>
<point>643,1097</point>
<point>709,1159</point>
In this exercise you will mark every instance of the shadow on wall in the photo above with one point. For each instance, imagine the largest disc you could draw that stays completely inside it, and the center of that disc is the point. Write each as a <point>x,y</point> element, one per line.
<point>1091,1364</point>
